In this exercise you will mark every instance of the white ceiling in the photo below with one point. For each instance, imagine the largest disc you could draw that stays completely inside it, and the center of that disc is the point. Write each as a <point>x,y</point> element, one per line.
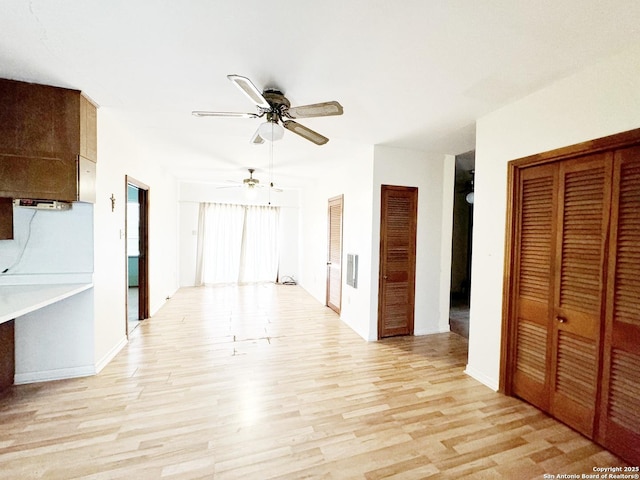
<point>410,73</point>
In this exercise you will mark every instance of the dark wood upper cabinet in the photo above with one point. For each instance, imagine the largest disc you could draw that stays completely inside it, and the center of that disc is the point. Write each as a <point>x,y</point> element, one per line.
<point>48,141</point>
<point>6,218</point>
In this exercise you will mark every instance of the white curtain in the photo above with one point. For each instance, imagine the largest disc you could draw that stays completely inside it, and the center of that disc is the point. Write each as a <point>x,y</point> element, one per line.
<point>237,244</point>
<point>259,260</point>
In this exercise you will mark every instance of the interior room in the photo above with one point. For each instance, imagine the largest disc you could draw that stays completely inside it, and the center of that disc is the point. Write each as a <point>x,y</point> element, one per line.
<point>128,130</point>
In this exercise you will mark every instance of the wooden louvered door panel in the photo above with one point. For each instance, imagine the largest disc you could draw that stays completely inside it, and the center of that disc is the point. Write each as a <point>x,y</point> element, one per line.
<point>619,427</point>
<point>334,255</point>
<point>536,231</point>
<point>584,201</point>
<point>396,292</point>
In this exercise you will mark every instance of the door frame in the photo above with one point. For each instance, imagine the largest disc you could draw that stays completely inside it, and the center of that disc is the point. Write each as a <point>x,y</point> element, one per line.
<point>143,259</point>
<point>514,167</point>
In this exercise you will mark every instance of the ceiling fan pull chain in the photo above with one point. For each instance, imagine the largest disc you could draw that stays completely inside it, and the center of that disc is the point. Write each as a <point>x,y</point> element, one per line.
<point>270,171</point>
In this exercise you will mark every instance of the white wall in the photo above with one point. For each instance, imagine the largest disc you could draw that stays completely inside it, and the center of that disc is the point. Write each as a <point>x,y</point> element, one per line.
<point>434,175</point>
<point>192,194</point>
<point>54,342</point>
<point>598,101</point>
<point>55,243</point>
<point>120,154</point>
<point>351,177</point>
<point>359,179</point>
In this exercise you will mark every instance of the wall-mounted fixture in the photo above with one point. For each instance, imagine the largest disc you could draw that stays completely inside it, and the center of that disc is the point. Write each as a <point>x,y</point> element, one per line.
<point>352,270</point>
<point>42,204</point>
<point>470,197</point>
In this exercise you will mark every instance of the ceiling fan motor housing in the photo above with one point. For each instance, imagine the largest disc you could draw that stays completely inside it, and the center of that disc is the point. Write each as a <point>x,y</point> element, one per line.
<point>278,102</point>
<point>251,182</point>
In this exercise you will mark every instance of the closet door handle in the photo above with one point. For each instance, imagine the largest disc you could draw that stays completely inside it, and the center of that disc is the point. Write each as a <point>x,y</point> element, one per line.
<point>561,319</point>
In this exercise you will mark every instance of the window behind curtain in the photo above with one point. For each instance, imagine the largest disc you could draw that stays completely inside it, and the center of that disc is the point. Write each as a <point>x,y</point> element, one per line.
<point>237,244</point>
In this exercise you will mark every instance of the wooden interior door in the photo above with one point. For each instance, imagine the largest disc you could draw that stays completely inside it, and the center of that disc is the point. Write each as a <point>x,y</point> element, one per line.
<point>143,268</point>
<point>535,251</point>
<point>396,283</point>
<point>334,254</point>
<point>143,252</point>
<point>574,236</point>
<point>620,412</point>
<point>562,222</point>
<point>583,216</point>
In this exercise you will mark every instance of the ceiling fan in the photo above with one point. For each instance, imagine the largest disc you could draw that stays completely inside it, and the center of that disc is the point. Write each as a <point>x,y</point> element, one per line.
<point>278,111</point>
<point>252,182</point>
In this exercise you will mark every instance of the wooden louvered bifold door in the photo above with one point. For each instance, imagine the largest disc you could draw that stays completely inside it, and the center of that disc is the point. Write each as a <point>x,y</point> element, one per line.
<point>536,231</point>
<point>619,427</point>
<point>398,210</point>
<point>572,295</point>
<point>584,198</point>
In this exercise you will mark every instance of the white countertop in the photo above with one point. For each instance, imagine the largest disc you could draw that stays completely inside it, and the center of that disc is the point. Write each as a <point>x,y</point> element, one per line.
<point>17,300</point>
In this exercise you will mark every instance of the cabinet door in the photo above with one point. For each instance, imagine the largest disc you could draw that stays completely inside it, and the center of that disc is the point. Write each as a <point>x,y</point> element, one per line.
<point>39,120</point>
<point>583,208</point>
<point>88,130</point>
<point>43,178</point>
<point>619,427</point>
<point>6,218</point>
<point>533,270</point>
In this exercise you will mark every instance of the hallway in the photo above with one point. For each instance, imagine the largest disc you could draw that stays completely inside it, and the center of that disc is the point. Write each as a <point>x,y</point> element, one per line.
<point>262,382</point>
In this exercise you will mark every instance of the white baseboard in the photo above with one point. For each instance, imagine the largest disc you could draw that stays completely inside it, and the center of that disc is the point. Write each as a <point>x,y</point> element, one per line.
<point>104,361</point>
<point>73,372</point>
<point>49,375</point>
<point>482,378</point>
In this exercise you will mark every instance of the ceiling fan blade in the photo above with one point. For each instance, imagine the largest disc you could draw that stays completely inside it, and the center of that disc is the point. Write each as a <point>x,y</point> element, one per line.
<point>305,132</point>
<point>200,113</point>
<point>257,139</point>
<point>250,90</point>
<point>325,109</point>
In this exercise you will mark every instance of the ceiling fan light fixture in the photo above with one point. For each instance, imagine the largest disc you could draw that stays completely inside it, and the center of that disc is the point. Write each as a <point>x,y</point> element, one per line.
<point>251,192</point>
<point>271,131</point>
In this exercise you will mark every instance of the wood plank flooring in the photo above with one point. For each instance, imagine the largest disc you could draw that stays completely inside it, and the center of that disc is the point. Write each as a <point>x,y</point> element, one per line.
<point>262,382</point>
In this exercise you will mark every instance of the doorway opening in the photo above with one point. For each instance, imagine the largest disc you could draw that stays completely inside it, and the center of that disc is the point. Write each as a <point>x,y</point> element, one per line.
<point>136,251</point>
<point>461,247</point>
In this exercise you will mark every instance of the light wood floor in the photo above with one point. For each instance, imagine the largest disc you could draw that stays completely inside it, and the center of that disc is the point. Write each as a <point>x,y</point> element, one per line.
<point>261,382</point>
